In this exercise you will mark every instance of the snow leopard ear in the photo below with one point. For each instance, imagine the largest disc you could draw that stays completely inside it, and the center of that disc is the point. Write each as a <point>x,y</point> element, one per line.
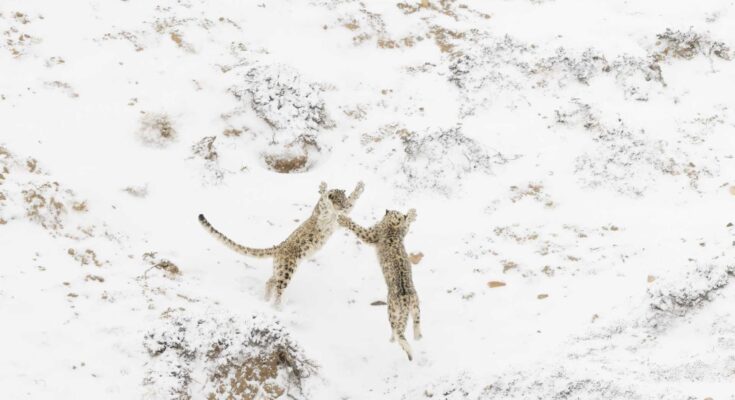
<point>322,187</point>
<point>386,212</point>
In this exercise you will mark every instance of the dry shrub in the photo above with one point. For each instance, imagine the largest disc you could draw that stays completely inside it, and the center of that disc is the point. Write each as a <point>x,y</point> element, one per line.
<point>45,204</point>
<point>80,206</point>
<point>509,265</point>
<point>205,148</point>
<point>438,160</point>
<point>443,38</point>
<point>221,357</point>
<point>286,164</point>
<point>127,36</point>
<point>95,278</point>
<point>679,293</point>
<point>157,130</point>
<point>532,190</point>
<point>170,269</point>
<point>289,104</point>
<point>86,257</point>
<point>687,45</point>
<point>232,132</point>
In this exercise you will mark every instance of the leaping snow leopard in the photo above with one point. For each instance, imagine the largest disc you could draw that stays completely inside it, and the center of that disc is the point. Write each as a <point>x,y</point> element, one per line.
<point>387,237</point>
<point>309,237</point>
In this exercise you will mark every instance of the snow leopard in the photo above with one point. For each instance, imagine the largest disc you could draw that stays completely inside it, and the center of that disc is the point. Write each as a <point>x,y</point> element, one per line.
<point>309,237</point>
<point>387,237</point>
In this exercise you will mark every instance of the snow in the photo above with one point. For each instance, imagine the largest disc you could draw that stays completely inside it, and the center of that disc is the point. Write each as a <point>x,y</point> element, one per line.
<point>579,152</point>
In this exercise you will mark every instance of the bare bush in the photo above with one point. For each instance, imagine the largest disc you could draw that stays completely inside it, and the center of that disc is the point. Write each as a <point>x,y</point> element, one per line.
<point>228,358</point>
<point>286,102</point>
<point>439,159</point>
<point>675,44</point>
<point>679,294</point>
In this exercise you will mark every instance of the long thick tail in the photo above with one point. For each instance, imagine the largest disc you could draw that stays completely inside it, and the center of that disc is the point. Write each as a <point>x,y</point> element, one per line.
<point>398,311</point>
<point>262,253</point>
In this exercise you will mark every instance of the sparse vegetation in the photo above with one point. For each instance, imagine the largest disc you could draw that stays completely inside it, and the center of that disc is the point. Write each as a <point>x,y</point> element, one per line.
<point>45,204</point>
<point>681,293</point>
<point>436,160</point>
<point>534,191</point>
<point>217,357</point>
<point>86,257</point>
<point>205,148</point>
<point>157,130</point>
<point>170,269</point>
<point>675,44</point>
<point>286,102</point>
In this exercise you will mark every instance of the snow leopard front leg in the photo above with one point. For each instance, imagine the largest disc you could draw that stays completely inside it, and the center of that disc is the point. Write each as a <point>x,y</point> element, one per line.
<point>367,235</point>
<point>352,198</point>
<point>410,217</point>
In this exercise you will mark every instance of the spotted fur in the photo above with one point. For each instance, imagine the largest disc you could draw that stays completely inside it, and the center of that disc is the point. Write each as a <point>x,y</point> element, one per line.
<point>309,237</point>
<point>387,237</point>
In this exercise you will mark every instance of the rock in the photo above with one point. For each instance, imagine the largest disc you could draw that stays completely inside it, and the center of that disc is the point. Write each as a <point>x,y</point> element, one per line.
<point>415,258</point>
<point>495,284</point>
<point>542,296</point>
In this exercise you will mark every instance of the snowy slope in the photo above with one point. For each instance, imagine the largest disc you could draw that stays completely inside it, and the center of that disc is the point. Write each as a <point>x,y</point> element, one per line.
<point>571,163</point>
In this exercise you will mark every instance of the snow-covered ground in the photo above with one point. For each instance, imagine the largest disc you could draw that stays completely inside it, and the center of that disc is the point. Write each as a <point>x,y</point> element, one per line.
<point>571,163</point>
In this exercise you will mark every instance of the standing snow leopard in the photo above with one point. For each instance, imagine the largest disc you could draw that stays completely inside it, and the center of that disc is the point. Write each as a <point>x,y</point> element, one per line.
<point>387,236</point>
<point>309,237</point>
